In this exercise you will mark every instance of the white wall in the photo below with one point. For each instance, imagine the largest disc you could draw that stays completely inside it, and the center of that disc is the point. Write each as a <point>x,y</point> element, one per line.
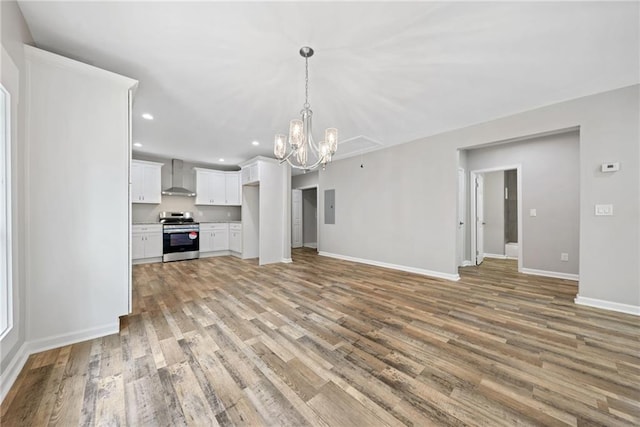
<point>266,213</point>
<point>550,182</point>
<point>77,199</point>
<point>401,208</point>
<point>274,212</point>
<point>494,213</point>
<point>14,32</point>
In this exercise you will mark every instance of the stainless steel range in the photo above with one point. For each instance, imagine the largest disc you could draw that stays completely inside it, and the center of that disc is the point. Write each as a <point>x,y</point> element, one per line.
<point>180,236</point>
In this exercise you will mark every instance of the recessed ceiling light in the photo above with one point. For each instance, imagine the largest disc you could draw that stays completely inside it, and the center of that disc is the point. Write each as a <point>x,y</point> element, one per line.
<point>255,143</point>
<point>221,159</point>
<point>147,116</point>
<point>137,144</point>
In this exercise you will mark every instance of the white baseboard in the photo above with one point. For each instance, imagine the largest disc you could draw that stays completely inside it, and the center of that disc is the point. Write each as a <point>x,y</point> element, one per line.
<point>496,256</point>
<point>608,305</point>
<point>437,274</point>
<point>213,254</point>
<point>43,344</point>
<point>466,263</point>
<point>10,374</point>
<point>36,346</point>
<point>312,245</point>
<point>287,260</point>
<point>146,260</point>
<point>554,274</point>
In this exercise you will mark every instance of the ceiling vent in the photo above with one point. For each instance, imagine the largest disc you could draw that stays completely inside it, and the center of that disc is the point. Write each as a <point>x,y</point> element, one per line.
<point>356,145</point>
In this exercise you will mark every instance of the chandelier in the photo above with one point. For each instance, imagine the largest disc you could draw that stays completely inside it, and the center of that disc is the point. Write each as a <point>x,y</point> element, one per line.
<point>300,138</point>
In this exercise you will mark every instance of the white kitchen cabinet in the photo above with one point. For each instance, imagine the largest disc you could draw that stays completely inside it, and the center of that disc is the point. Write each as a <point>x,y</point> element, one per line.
<point>251,173</point>
<point>214,237</point>
<point>210,187</point>
<point>217,188</point>
<point>233,189</point>
<point>146,241</point>
<point>235,238</point>
<point>145,182</point>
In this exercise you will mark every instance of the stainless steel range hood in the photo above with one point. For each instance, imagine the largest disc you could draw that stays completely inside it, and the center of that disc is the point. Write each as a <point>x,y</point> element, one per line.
<point>177,182</point>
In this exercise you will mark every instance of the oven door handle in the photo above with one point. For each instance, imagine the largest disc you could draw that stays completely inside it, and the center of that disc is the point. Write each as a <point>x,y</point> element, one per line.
<point>176,231</point>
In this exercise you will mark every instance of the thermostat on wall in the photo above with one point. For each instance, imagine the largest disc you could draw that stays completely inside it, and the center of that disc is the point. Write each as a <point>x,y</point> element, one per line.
<point>610,167</point>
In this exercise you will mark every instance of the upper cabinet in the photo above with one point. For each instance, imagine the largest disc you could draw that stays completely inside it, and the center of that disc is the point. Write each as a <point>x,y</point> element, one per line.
<point>233,189</point>
<point>217,188</point>
<point>145,182</point>
<point>251,173</point>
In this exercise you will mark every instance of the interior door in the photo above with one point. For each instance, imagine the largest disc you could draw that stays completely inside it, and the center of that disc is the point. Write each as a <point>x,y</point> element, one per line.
<point>296,218</point>
<point>479,219</point>
<point>461,217</point>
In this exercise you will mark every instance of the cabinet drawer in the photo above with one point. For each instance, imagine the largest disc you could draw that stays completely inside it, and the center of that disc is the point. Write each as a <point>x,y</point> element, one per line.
<point>146,228</point>
<point>235,226</point>
<point>213,226</point>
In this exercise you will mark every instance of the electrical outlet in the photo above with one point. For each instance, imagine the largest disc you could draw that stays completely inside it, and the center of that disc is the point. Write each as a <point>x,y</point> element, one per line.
<point>564,256</point>
<point>604,210</point>
<point>228,214</point>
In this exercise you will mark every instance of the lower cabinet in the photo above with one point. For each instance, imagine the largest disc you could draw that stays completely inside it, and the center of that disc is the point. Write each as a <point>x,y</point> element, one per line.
<point>146,241</point>
<point>214,237</point>
<point>235,238</point>
<point>220,237</point>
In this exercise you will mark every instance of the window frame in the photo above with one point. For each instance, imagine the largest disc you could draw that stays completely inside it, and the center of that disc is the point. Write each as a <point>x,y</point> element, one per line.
<point>6,281</point>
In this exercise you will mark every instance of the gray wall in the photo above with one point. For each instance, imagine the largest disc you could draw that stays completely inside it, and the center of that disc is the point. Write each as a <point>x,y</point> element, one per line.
<point>14,33</point>
<point>143,212</point>
<point>550,184</point>
<point>309,216</point>
<point>401,208</point>
<point>494,213</point>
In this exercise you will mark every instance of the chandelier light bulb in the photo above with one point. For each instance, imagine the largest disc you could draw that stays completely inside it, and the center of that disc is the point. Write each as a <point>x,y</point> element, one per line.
<point>331,137</point>
<point>302,154</point>
<point>296,133</point>
<point>279,146</point>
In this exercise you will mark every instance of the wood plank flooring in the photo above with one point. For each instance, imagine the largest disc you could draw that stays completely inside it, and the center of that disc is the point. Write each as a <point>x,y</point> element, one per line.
<point>221,341</point>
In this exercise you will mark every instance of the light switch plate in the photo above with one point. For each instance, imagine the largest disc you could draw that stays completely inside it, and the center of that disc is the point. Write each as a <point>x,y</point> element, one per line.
<point>533,212</point>
<point>604,210</point>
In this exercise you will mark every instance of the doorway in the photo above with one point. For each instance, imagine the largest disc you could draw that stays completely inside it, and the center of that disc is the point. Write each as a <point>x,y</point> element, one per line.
<point>496,214</point>
<point>304,218</point>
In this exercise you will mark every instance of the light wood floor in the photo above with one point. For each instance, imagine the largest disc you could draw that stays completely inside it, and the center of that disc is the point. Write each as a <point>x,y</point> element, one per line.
<point>329,342</point>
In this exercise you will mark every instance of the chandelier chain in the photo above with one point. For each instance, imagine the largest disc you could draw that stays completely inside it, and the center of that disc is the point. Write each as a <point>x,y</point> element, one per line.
<point>306,83</point>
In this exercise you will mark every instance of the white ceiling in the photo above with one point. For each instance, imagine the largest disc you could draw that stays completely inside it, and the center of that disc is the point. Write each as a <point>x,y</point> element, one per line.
<point>217,76</point>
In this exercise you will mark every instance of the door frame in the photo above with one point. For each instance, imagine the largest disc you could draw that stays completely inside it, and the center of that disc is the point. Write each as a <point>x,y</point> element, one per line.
<point>309,187</point>
<point>462,217</point>
<point>293,222</point>
<point>473,217</point>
